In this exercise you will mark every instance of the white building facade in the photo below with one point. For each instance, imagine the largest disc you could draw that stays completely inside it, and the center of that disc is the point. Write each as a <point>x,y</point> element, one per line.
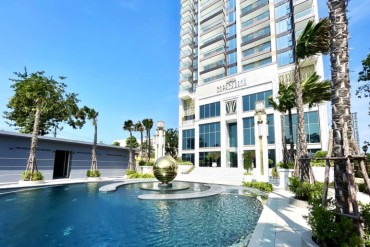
<point>233,54</point>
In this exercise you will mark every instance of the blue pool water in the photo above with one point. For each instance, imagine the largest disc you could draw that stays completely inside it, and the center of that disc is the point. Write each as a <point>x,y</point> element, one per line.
<point>78,215</point>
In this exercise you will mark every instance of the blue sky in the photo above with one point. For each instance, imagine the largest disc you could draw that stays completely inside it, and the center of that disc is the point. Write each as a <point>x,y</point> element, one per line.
<point>121,56</point>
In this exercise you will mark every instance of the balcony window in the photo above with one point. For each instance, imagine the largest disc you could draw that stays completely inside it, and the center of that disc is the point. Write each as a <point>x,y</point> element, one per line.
<point>263,47</point>
<point>231,17</point>
<point>252,6</point>
<point>256,34</point>
<point>285,58</point>
<point>230,4</point>
<point>303,13</point>
<point>232,70</point>
<point>284,41</point>
<point>283,26</point>
<point>213,65</point>
<point>219,76</point>
<point>250,22</point>
<point>231,31</point>
<point>257,64</point>
<point>231,44</point>
<point>231,58</point>
<point>282,10</point>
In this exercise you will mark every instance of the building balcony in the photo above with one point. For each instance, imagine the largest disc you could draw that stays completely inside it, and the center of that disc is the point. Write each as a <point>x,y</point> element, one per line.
<point>187,6</point>
<point>186,33</point>
<point>186,93</point>
<point>255,27</point>
<point>257,35</point>
<point>186,81</point>
<point>256,57</point>
<point>213,42</point>
<point>187,122</point>
<point>210,5</point>
<point>213,78</point>
<point>253,7</point>
<point>213,66</point>
<point>214,27</point>
<point>213,16</point>
<point>256,51</point>
<point>255,21</point>
<point>213,55</point>
<point>187,19</point>
<point>186,68</point>
<point>302,4</point>
<point>303,15</point>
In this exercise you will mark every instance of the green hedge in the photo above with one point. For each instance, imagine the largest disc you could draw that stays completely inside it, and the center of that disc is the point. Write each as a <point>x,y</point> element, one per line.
<point>304,190</point>
<point>134,174</point>
<point>93,174</point>
<point>26,175</point>
<point>264,186</point>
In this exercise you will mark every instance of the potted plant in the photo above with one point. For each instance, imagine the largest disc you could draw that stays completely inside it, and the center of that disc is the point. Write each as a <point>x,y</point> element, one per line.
<point>248,164</point>
<point>214,156</point>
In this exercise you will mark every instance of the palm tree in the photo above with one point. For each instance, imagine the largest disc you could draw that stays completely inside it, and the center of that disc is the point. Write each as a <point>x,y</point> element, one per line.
<point>285,102</point>
<point>129,126</point>
<point>91,114</point>
<point>148,124</point>
<point>345,192</point>
<point>139,127</point>
<point>314,92</point>
<point>313,40</point>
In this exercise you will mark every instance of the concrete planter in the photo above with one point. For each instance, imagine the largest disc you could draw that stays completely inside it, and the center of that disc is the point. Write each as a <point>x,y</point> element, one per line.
<point>319,173</point>
<point>93,178</point>
<point>284,175</point>
<point>248,178</point>
<point>183,169</point>
<point>146,169</point>
<point>21,182</point>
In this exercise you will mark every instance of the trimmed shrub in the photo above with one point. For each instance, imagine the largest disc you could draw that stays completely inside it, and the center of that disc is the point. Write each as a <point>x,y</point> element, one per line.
<point>304,190</point>
<point>264,186</point>
<point>274,173</point>
<point>134,174</point>
<point>329,230</point>
<point>93,174</point>
<point>36,176</point>
<point>288,165</point>
<point>142,163</point>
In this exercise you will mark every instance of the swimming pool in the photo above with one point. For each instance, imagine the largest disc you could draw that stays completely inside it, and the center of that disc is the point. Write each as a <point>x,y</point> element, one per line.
<point>78,215</point>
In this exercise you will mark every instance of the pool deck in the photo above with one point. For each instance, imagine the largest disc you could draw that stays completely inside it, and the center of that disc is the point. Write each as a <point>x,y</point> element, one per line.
<point>281,223</point>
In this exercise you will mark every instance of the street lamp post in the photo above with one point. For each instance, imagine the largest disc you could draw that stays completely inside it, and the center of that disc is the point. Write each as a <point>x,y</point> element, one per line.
<point>262,160</point>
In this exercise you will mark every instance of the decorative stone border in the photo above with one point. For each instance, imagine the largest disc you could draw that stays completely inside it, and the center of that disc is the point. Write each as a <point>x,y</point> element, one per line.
<point>93,179</point>
<point>27,183</point>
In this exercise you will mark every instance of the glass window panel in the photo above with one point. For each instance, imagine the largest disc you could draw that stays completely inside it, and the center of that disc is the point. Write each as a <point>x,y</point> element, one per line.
<point>284,41</point>
<point>231,44</point>
<point>232,70</point>
<point>282,10</point>
<point>285,58</point>
<point>283,26</point>
<point>201,112</point>
<point>217,109</point>
<point>252,102</point>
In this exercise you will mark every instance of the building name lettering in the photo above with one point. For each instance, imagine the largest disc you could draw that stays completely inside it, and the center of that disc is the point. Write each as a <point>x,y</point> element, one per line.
<point>231,85</point>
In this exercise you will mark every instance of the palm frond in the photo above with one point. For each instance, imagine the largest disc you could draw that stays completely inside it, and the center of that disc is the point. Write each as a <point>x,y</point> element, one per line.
<point>314,39</point>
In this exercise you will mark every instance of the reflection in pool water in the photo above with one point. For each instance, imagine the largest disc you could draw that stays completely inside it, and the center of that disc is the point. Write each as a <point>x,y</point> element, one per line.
<point>78,215</point>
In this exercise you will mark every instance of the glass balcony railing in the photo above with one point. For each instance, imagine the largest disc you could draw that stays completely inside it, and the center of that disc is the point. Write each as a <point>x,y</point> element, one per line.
<point>213,38</point>
<point>211,13</point>
<point>214,65</point>
<point>303,13</point>
<point>205,29</point>
<point>186,66</point>
<point>186,42</point>
<point>250,22</point>
<point>253,6</point>
<point>258,49</point>
<point>208,80</point>
<point>214,51</point>
<point>256,34</point>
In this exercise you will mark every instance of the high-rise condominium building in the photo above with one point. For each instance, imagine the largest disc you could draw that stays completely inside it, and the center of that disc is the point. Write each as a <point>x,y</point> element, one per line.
<point>234,54</point>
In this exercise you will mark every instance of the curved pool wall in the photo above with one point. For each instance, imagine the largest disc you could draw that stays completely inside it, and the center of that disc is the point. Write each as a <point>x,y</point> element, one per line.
<point>78,215</point>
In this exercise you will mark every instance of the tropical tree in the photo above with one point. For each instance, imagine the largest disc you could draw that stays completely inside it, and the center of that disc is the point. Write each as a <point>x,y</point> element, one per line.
<point>139,127</point>
<point>57,106</point>
<point>129,126</point>
<point>92,115</point>
<point>345,191</point>
<point>172,142</point>
<point>313,91</point>
<point>285,102</point>
<point>364,76</point>
<point>39,101</point>
<point>131,141</point>
<point>148,124</point>
<point>313,40</point>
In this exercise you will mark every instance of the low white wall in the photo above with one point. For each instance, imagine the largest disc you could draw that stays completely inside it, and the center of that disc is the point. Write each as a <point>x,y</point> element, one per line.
<point>319,173</point>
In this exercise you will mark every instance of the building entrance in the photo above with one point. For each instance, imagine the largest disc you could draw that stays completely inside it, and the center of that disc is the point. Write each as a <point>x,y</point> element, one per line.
<point>62,166</point>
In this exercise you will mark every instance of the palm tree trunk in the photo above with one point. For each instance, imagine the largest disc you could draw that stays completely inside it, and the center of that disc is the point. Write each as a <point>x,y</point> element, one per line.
<point>291,151</point>
<point>149,145</point>
<point>131,165</point>
<point>94,165</point>
<point>141,143</point>
<point>345,193</point>
<point>31,163</point>
<point>283,139</point>
<point>301,130</point>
